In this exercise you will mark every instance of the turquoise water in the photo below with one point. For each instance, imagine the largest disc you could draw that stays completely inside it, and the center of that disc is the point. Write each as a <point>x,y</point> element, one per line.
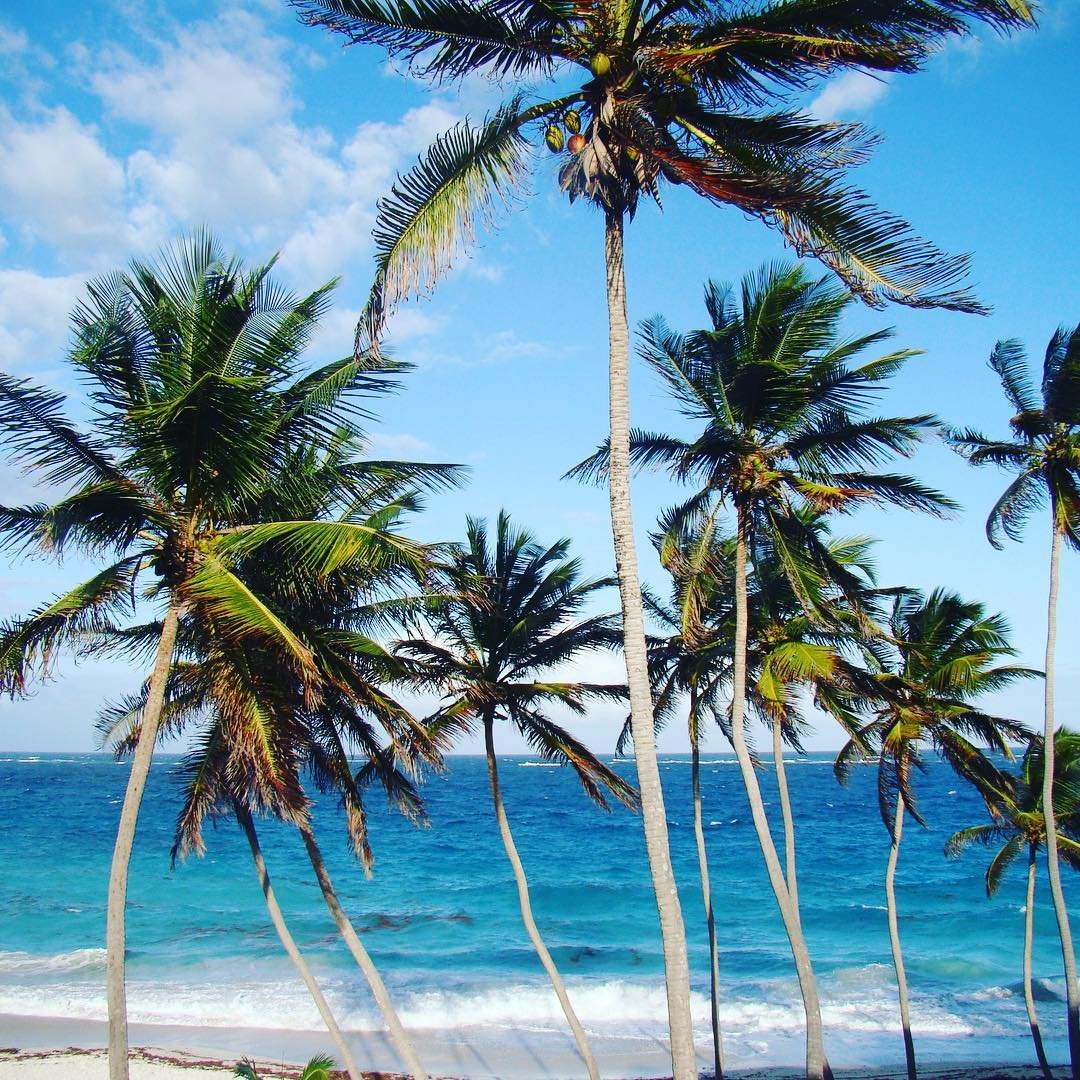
<point>440,915</point>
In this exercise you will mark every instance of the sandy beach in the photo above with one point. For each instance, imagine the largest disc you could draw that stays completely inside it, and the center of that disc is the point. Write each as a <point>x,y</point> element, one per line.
<point>54,1049</point>
<point>148,1063</point>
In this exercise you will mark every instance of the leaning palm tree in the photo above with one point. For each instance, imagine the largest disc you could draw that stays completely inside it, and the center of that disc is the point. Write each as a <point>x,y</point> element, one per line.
<point>511,614</point>
<point>651,93</point>
<point>1015,804</point>
<point>246,699</point>
<point>1045,455</point>
<point>940,654</point>
<point>198,397</point>
<point>783,430</point>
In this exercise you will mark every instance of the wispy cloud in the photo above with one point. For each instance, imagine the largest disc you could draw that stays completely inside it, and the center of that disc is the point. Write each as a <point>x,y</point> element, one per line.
<point>849,94</point>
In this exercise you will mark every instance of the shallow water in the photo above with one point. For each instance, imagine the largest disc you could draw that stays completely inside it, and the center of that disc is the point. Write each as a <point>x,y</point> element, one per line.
<point>440,916</point>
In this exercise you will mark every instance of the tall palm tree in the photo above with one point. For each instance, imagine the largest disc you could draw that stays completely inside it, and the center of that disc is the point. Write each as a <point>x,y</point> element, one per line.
<point>1015,804</point>
<point>788,654</point>
<point>784,430</point>
<point>940,654</point>
<point>1045,455</point>
<point>198,397</point>
<point>511,615</point>
<point>692,659</point>
<point>693,92</point>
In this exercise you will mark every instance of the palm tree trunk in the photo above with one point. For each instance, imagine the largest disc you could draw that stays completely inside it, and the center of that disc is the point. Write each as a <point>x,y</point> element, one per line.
<point>243,816</point>
<point>706,895</point>
<point>789,821</point>
<point>1072,992</point>
<point>116,910</point>
<point>894,936</point>
<point>653,814</point>
<point>1029,997</point>
<point>526,906</point>
<point>817,1065</point>
<point>360,955</point>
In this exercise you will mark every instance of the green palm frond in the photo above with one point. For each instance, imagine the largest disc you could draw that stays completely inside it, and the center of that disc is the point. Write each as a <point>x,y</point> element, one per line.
<point>874,253</point>
<point>239,612</point>
<point>74,620</point>
<point>432,211</point>
<point>446,39</point>
<point>40,438</point>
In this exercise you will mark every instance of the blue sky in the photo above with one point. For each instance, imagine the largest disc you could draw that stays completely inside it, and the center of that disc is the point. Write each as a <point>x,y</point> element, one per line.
<point>123,124</point>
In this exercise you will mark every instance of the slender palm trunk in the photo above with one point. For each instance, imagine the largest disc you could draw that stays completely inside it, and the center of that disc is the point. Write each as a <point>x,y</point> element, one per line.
<point>789,821</point>
<point>1072,991</point>
<point>526,906</point>
<point>817,1065</point>
<point>115,936</point>
<point>894,936</point>
<point>653,814</point>
<point>706,894</point>
<point>243,816</point>
<point>1029,996</point>
<point>363,960</point>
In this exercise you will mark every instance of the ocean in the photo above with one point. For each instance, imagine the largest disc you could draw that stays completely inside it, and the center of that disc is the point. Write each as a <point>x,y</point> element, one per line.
<point>440,918</point>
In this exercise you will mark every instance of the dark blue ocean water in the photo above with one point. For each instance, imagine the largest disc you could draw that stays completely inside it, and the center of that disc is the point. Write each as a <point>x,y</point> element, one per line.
<point>440,915</point>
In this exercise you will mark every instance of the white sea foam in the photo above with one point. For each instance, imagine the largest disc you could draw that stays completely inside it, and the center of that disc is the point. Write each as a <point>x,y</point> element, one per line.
<point>539,765</point>
<point>31,964</point>
<point>613,1008</point>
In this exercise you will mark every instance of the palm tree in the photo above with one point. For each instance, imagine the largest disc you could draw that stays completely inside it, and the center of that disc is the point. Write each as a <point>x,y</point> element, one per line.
<point>656,92</point>
<point>693,659</point>
<point>198,397</point>
<point>242,698</point>
<point>1045,455</point>
<point>511,615</point>
<point>940,653</point>
<point>1015,804</point>
<point>787,651</point>
<point>784,431</point>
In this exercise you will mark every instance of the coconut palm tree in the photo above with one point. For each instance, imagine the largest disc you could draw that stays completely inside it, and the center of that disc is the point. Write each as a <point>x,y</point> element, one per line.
<point>1015,804</point>
<point>1045,456</point>
<point>940,654</point>
<point>784,430</point>
<point>510,616</point>
<point>198,397</point>
<point>692,659</point>
<point>788,655</point>
<point>651,93</point>
<point>241,697</point>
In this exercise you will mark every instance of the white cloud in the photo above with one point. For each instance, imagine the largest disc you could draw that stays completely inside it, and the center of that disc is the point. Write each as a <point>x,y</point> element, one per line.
<point>501,347</point>
<point>402,445</point>
<point>34,311</point>
<point>13,42</point>
<point>852,92</point>
<point>59,184</point>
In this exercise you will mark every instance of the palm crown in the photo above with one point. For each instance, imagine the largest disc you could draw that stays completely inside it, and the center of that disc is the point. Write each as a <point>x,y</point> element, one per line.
<point>782,407</point>
<point>1045,452</point>
<point>1015,803</point>
<point>203,421</point>
<point>656,92</point>
<point>940,654</point>
<point>511,613</point>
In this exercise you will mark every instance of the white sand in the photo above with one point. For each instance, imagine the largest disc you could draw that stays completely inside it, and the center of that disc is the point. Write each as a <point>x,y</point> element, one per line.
<point>93,1065</point>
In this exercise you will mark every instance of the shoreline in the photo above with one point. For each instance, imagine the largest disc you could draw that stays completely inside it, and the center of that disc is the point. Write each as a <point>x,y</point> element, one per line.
<point>155,1063</point>
<point>36,1048</point>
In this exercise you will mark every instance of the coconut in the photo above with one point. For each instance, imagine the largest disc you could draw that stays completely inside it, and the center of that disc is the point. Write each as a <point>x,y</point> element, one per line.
<point>572,120</point>
<point>554,138</point>
<point>601,65</point>
<point>576,144</point>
